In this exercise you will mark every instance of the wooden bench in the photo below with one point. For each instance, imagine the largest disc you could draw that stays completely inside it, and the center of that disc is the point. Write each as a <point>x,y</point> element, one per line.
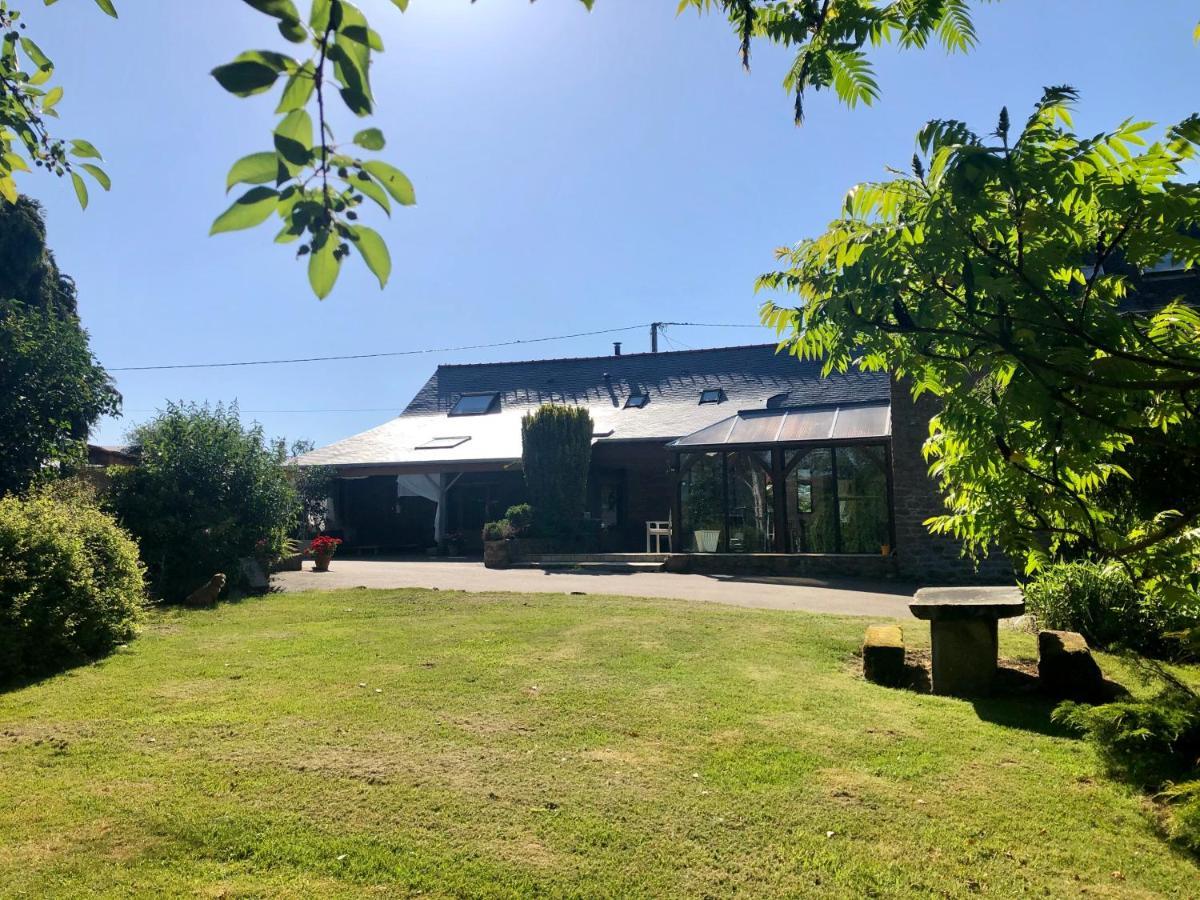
<point>963,631</point>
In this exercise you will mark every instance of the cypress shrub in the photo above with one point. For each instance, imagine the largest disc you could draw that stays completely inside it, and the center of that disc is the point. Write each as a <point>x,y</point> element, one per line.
<point>556,451</point>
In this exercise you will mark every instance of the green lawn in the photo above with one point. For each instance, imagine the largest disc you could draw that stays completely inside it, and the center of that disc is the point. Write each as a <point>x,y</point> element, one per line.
<point>509,745</point>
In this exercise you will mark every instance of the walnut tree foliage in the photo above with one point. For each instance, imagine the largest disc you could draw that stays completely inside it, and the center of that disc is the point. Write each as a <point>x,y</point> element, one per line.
<point>317,186</point>
<point>1005,274</point>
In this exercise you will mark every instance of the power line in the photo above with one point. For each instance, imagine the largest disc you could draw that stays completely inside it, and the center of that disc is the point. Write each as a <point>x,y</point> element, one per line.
<point>394,353</point>
<point>257,411</point>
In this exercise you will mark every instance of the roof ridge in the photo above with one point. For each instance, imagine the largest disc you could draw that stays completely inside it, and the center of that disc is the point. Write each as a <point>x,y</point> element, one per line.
<point>561,359</point>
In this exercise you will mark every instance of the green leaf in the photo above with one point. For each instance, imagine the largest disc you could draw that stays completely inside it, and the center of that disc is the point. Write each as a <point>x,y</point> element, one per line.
<point>374,252</point>
<point>257,168</point>
<point>284,10</point>
<point>370,188</point>
<point>293,31</point>
<point>393,180</point>
<point>299,89</point>
<point>252,208</point>
<point>245,78</point>
<point>402,5</point>
<point>98,173</point>
<point>35,54</point>
<point>323,267</point>
<point>370,139</point>
<point>52,97</point>
<point>294,137</point>
<point>84,150</point>
<point>80,189</point>
<point>107,6</point>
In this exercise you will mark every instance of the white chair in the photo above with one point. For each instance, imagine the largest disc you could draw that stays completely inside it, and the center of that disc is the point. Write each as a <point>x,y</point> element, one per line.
<point>658,531</point>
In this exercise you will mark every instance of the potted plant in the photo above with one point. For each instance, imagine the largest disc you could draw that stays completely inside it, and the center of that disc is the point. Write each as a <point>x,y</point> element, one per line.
<point>497,549</point>
<point>321,550</point>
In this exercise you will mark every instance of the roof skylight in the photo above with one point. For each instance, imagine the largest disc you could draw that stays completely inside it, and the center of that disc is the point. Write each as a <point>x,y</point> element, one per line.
<point>636,401</point>
<point>713,395</point>
<point>476,404</point>
<point>442,443</point>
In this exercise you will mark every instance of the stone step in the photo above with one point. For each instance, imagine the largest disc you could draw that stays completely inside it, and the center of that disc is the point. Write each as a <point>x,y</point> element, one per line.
<point>575,558</point>
<point>591,566</point>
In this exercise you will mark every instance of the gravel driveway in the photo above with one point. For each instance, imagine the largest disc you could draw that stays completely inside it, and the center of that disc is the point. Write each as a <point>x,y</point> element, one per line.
<point>877,599</point>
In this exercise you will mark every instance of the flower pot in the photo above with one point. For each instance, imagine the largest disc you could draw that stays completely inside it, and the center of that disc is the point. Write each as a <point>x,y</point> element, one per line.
<point>497,554</point>
<point>321,562</point>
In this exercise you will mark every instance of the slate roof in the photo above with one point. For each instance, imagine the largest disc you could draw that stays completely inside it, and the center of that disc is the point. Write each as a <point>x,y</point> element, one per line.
<point>749,376</point>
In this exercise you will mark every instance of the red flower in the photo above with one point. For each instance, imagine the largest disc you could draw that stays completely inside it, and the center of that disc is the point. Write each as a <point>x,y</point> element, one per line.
<point>323,545</point>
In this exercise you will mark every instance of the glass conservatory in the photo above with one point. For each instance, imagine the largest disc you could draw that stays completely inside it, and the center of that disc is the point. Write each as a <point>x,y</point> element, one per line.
<point>804,480</point>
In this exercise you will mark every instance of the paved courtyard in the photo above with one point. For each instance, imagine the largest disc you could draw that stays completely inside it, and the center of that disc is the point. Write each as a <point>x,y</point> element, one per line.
<point>853,598</point>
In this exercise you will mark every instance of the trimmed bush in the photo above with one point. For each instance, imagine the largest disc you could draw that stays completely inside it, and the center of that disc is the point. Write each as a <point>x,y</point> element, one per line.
<point>556,451</point>
<point>1105,607</point>
<point>71,585</point>
<point>520,517</point>
<point>501,530</point>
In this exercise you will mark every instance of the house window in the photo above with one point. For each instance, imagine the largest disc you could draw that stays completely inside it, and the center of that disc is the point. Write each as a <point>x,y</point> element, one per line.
<point>636,401</point>
<point>476,404</point>
<point>442,443</point>
<point>714,395</point>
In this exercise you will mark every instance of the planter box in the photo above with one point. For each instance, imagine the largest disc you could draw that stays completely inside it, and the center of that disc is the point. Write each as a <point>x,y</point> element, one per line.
<point>497,554</point>
<point>707,541</point>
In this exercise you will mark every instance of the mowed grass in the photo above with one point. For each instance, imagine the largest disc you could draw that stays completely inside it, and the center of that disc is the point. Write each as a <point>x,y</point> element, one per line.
<point>508,745</point>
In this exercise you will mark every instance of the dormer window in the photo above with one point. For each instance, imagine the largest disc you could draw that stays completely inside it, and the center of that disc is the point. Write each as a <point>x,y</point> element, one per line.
<point>713,395</point>
<point>443,443</point>
<point>636,401</point>
<point>476,404</point>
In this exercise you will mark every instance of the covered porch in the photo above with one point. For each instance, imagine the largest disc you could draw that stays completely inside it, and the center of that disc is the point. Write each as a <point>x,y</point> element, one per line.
<point>788,481</point>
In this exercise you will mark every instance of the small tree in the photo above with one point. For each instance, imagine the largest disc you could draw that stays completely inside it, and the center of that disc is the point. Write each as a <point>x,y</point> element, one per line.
<point>556,450</point>
<point>207,493</point>
<point>314,485</point>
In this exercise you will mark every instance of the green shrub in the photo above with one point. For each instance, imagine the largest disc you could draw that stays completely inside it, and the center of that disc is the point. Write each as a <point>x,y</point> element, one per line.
<point>520,517</point>
<point>206,494</point>
<point>1153,743</point>
<point>501,530</point>
<point>1105,607</point>
<point>70,584</point>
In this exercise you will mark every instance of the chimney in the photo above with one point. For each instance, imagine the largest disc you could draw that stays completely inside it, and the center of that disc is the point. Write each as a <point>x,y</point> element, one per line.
<point>616,348</point>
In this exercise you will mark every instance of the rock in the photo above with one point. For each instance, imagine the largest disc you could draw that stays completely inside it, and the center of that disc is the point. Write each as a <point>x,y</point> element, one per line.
<point>1066,669</point>
<point>883,655</point>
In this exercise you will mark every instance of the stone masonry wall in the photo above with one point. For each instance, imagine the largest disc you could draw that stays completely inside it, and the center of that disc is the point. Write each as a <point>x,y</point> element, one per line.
<point>923,557</point>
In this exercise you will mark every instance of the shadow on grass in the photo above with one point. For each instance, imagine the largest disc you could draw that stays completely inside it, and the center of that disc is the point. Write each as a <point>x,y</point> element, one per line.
<point>1017,701</point>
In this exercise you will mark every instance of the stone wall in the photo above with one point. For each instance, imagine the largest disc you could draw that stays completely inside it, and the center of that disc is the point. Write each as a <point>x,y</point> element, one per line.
<point>920,556</point>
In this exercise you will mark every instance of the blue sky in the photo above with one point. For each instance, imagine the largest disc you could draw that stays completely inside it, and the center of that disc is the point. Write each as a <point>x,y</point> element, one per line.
<point>574,171</point>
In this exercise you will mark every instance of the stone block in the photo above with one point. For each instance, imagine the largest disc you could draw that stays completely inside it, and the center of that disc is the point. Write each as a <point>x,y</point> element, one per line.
<point>1066,669</point>
<point>965,653</point>
<point>883,655</point>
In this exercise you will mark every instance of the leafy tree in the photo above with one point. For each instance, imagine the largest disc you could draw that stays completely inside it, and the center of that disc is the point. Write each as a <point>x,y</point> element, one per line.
<point>54,388</point>
<point>1005,277</point>
<point>317,187</point>
<point>206,494</point>
<point>556,451</point>
<point>314,486</point>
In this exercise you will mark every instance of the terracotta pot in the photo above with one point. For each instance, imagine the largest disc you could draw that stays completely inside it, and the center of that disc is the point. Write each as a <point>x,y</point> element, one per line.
<point>321,562</point>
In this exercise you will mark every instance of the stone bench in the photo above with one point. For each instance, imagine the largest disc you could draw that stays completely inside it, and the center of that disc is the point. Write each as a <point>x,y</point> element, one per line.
<point>963,631</point>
